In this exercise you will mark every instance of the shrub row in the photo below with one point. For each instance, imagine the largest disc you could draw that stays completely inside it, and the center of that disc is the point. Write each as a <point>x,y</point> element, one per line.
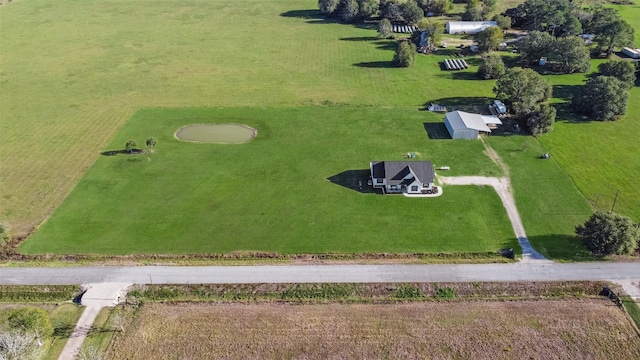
<point>365,292</point>
<point>37,293</point>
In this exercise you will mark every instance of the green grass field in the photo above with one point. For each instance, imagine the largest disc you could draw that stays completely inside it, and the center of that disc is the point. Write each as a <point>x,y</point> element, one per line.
<point>548,201</point>
<point>74,72</point>
<point>289,191</point>
<point>602,157</point>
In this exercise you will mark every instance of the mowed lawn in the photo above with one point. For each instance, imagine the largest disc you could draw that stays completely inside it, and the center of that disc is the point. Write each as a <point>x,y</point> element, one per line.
<point>286,191</point>
<point>548,201</point>
<point>73,72</point>
<point>603,157</point>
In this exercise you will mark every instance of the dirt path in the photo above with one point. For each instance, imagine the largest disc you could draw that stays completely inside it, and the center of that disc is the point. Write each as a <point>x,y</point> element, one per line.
<point>503,188</point>
<point>94,299</point>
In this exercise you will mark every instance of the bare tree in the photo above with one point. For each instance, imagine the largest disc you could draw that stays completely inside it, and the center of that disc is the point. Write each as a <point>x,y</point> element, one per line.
<point>15,345</point>
<point>119,321</point>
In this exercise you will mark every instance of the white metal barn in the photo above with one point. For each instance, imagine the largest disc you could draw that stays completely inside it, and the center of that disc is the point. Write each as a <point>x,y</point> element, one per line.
<point>464,125</point>
<point>468,27</point>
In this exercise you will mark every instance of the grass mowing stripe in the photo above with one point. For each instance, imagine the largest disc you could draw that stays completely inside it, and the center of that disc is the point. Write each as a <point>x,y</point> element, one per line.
<point>274,194</point>
<point>207,54</point>
<point>632,309</point>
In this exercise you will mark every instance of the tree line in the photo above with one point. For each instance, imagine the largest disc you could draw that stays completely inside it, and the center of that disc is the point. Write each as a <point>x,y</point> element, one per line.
<point>406,11</point>
<point>561,18</point>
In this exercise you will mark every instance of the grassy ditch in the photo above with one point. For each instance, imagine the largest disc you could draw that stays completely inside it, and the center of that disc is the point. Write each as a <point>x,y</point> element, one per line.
<point>357,292</point>
<point>253,258</point>
<point>37,293</point>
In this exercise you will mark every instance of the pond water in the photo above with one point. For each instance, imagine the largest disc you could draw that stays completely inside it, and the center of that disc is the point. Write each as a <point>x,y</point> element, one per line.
<point>216,133</point>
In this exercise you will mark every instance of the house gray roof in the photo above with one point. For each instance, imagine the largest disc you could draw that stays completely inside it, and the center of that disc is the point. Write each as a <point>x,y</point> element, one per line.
<point>396,171</point>
<point>464,120</point>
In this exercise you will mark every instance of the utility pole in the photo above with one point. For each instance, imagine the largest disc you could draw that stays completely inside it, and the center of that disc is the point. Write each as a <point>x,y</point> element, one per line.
<point>614,200</point>
<point>153,293</point>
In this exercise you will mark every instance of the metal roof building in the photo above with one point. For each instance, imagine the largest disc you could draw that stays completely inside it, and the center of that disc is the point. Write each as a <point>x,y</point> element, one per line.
<point>464,125</point>
<point>468,27</point>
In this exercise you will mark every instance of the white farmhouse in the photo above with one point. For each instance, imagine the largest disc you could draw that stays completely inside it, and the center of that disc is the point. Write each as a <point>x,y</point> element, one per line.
<point>468,27</point>
<point>409,177</point>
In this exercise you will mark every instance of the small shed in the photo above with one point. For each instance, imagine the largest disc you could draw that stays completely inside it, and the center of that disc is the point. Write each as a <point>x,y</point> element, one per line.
<point>468,27</point>
<point>464,125</point>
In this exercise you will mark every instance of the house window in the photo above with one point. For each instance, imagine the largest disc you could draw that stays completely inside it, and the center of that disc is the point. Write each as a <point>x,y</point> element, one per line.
<point>414,188</point>
<point>379,181</point>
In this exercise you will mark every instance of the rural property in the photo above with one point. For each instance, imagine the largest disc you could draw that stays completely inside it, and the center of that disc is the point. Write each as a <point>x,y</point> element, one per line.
<point>190,132</point>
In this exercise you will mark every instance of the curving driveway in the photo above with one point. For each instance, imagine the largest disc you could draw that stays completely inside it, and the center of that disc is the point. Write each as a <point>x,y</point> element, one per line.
<point>503,188</point>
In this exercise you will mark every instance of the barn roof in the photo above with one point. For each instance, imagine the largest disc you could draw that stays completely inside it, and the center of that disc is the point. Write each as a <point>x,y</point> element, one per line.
<point>460,120</point>
<point>471,24</point>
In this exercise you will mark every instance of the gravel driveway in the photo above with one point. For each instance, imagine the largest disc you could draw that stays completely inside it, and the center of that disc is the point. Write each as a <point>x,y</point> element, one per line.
<point>503,188</point>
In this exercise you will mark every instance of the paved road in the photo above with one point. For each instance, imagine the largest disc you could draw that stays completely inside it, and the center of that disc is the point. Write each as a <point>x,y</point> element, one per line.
<point>322,273</point>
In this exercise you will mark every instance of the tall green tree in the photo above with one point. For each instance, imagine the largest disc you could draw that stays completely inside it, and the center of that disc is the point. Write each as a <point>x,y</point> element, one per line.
<point>546,15</point>
<point>367,8</point>
<point>151,144</point>
<point>327,7</point>
<point>130,146</point>
<point>411,12</point>
<point>541,120</point>
<point>405,55</point>
<point>488,6</point>
<point>489,39</point>
<point>570,55</point>
<point>606,234</point>
<point>433,30</point>
<point>535,45</point>
<point>348,10</point>
<point>601,17</point>
<point>620,69</point>
<point>473,11</point>
<point>435,7</point>
<point>385,30</point>
<point>524,90</point>
<point>617,34</point>
<point>504,22</point>
<point>571,27</point>
<point>390,9</point>
<point>602,98</point>
<point>492,67</point>
<point>610,29</point>
<point>565,54</point>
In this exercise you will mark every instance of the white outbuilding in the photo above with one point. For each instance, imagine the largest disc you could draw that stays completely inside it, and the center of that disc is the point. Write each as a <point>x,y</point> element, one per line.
<point>468,27</point>
<point>464,125</point>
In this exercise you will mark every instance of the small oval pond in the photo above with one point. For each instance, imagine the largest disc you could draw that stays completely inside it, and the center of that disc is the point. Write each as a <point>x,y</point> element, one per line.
<point>216,133</point>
